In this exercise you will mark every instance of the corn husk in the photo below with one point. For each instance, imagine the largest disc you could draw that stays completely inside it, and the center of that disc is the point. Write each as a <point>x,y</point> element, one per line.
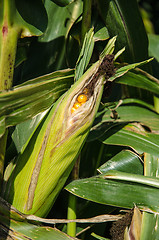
<point>41,170</point>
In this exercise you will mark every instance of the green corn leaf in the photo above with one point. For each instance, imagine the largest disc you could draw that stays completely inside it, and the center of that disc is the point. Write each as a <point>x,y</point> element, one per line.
<point>117,175</point>
<point>133,136</point>
<point>19,138</point>
<point>101,33</point>
<point>154,46</point>
<point>125,161</point>
<point>98,237</point>
<point>150,221</point>
<point>119,189</point>
<point>123,70</point>
<point>105,120</point>
<point>85,54</point>
<point>27,100</point>
<point>128,113</point>
<point>116,15</point>
<point>109,47</point>
<point>63,3</point>
<point>14,225</point>
<point>140,79</point>
<point>138,102</point>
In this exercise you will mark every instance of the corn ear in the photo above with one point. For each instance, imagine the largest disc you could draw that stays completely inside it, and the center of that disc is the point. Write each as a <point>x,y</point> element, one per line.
<point>41,170</point>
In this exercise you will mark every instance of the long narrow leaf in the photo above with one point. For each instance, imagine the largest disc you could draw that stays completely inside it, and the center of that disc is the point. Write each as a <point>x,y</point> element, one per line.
<point>140,79</point>
<point>125,161</point>
<point>116,193</point>
<point>27,100</point>
<point>116,15</point>
<point>124,69</point>
<point>150,221</point>
<point>85,54</point>
<point>14,225</point>
<point>132,137</point>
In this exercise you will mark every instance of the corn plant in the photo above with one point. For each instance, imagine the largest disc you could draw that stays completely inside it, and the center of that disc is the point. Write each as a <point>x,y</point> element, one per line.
<point>78,121</point>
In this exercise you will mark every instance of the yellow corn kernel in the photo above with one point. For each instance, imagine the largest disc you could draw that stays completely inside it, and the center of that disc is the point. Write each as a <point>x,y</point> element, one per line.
<point>77,105</point>
<point>73,110</point>
<point>82,98</point>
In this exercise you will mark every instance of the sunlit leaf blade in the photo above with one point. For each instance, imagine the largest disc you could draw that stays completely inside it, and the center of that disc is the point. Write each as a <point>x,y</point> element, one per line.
<point>150,221</point>
<point>2,126</point>
<point>125,161</point>
<point>154,46</point>
<point>140,79</point>
<point>109,49</point>
<point>105,120</point>
<point>85,54</point>
<point>101,34</point>
<point>27,100</point>
<point>123,70</point>
<point>138,102</point>
<point>118,192</point>
<point>129,177</point>
<point>98,237</point>
<point>116,15</point>
<point>62,3</point>
<point>19,138</point>
<point>30,231</point>
<point>13,224</point>
<point>130,113</point>
<point>119,53</point>
<point>133,137</point>
<point>151,165</point>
